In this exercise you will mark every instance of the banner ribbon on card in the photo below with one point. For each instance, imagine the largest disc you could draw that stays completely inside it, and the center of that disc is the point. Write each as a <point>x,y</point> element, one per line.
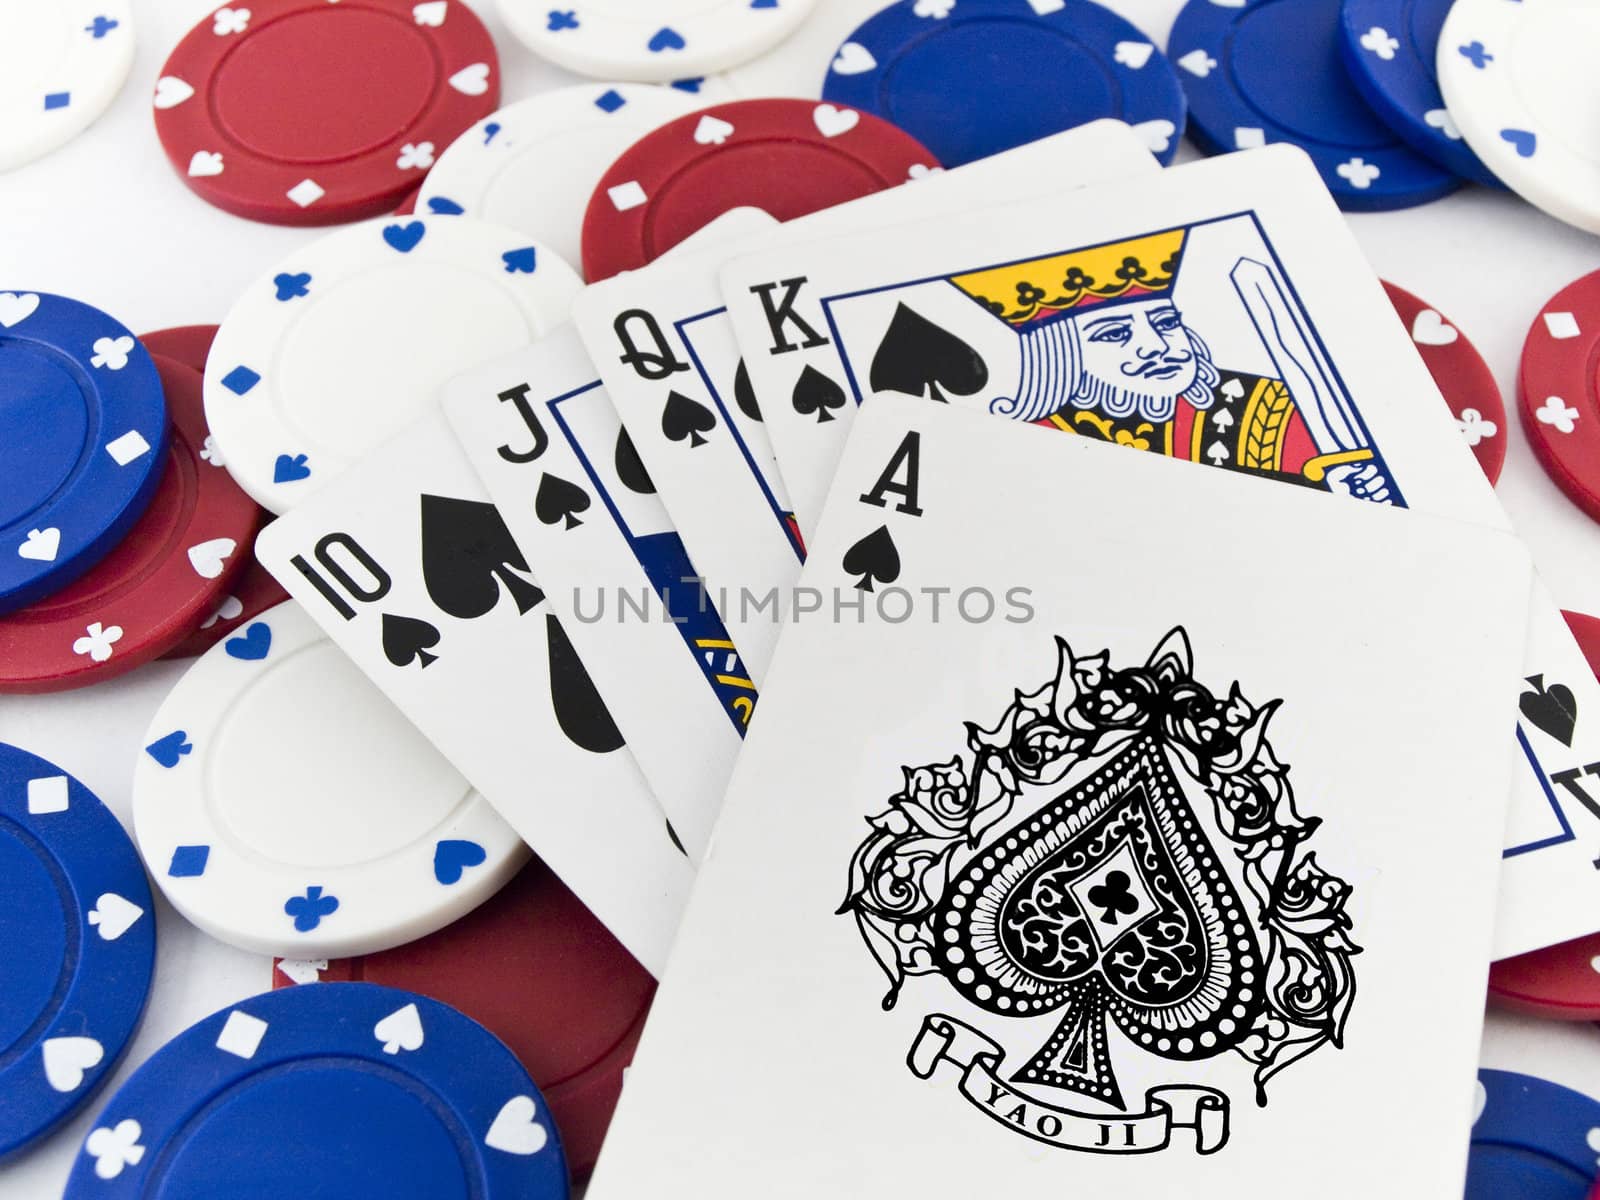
<point>1177,1106</point>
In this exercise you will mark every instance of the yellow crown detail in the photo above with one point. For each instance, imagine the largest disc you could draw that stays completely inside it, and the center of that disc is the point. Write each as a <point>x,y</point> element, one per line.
<point>1041,287</point>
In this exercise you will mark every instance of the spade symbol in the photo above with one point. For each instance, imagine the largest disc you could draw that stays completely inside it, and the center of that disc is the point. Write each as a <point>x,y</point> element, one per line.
<point>1553,709</point>
<point>686,418</point>
<point>743,394</point>
<point>407,640</point>
<point>468,556</point>
<point>815,393</point>
<point>873,558</point>
<point>630,467</point>
<point>558,500</point>
<point>1060,939</point>
<point>917,356</point>
<point>579,710</point>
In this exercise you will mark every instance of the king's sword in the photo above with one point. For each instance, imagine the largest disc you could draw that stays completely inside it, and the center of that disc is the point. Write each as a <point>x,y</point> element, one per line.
<point>1301,364</point>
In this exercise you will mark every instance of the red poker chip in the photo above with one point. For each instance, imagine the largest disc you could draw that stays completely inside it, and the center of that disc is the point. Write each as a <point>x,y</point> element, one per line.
<point>252,590</point>
<point>1560,413</point>
<point>408,206</point>
<point>1462,375</point>
<point>788,157</point>
<point>302,112</point>
<point>151,591</point>
<point>1561,982</point>
<point>537,969</point>
<point>187,344</point>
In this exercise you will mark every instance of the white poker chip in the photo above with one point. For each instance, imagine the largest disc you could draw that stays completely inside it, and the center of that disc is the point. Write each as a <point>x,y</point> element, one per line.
<point>652,42</point>
<point>62,62</point>
<point>285,806</point>
<point>1519,79</point>
<point>533,165</point>
<point>798,66</point>
<point>348,341</point>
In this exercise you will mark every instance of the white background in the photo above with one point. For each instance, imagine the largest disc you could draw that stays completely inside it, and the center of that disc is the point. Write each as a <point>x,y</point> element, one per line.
<point>106,220</point>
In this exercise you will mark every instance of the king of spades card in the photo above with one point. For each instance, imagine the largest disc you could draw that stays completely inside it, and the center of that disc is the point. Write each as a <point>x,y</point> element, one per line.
<point>1106,348</point>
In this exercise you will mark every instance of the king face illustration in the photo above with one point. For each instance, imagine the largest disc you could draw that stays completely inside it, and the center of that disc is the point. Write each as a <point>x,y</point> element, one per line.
<point>1107,352</point>
<point>1121,851</point>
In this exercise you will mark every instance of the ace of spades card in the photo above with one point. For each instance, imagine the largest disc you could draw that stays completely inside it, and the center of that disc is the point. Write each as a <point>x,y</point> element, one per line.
<point>1220,312</point>
<point>544,437</point>
<point>1122,886</point>
<point>406,564</point>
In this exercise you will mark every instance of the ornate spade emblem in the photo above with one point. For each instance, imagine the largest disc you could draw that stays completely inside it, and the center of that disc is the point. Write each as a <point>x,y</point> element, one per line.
<point>1073,875</point>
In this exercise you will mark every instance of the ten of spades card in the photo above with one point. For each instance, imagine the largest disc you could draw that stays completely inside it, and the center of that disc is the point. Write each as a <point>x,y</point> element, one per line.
<point>543,435</point>
<point>665,349</point>
<point>1086,851</point>
<point>1219,312</point>
<point>411,570</point>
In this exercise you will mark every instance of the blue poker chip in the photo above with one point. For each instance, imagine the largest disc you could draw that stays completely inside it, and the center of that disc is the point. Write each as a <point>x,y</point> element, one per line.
<point>973,78</point>
<point>1261,71</point>
<point>1389,47</point>
<point>78,933</point>
<point>327,1090</point>
<point>83,439</point>
<point>1533,1140</point>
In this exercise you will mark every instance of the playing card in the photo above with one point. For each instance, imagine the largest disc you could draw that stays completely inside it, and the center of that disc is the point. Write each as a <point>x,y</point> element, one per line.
<point>1096,855</point>
<point>410,569</point>
<point>792,366</point>
<point>543,435</point>
<point>1219,312</point>
<point>662,345</point>
<point>665,348</point>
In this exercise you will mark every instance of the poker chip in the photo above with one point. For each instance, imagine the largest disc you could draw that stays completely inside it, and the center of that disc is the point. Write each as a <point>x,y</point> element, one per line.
<point>156,584</point>
<point>1531,1140</point>
<point>1463,377</point>
<point>252,589</point>
<point>1518,78</point>
<point>796,66</point>
<point>251,592</point>
<point>187,344</point>
<point>267,111</point>
<point>937,75</point>
<point>536,968</point>
<point>1559,982</point>
<point>786,157</point>
<point>1586,630</point>
<point>533,165</point>
<point>78,929</point>
<point>348,341</point>
<point>350,1089</point>
<point>63,63</point>
<point>1560,409</point>
<point>83,440</point>
<point>285,806</point>
<point>1389,49</point>
<point>1269,71</point>
<point>655,42</point>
